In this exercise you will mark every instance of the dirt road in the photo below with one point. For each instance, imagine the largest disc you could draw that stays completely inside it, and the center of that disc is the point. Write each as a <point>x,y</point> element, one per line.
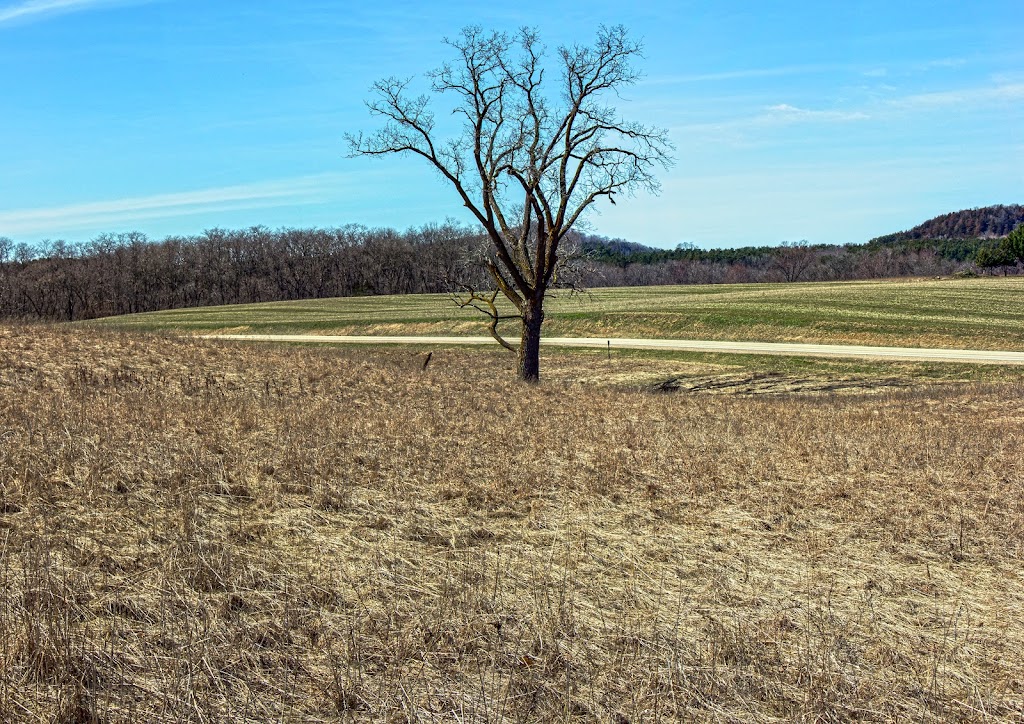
<point>971,356</point>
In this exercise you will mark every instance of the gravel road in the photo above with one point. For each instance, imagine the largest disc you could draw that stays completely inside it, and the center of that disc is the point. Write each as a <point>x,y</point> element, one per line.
<point>971,356</point>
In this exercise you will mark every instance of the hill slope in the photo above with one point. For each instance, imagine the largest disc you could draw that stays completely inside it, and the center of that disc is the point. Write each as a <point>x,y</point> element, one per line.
<point>984,223</point>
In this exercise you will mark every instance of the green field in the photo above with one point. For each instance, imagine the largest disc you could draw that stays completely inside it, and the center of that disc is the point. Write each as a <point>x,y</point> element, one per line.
<point>958,313</point>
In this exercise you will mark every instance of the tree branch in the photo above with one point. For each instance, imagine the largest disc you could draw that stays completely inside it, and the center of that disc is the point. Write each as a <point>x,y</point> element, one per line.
<point>485,304</point>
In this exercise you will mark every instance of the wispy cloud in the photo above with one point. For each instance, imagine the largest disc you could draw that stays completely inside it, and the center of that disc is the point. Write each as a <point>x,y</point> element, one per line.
<point>54,220</point>
<point>878,70</point>
<point>781,114</point>
<point>786,113</point>
<point>743,74</point>
<point>941,63</point>
<point>971,99</point>
<point>38,9</point>
<point>964,97</point>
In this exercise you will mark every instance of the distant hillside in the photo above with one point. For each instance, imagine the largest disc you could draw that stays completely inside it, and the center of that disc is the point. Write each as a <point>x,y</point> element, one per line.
<point>957,236</point>
<point>989,222</point>
<point>601,247</point>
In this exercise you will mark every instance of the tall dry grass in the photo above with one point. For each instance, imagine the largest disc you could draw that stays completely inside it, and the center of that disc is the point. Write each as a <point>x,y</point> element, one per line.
<point>202,532</point>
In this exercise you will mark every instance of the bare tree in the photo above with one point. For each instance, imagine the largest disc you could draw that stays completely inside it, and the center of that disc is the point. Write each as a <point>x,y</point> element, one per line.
<point>793,259</point>
<point>6,259</point>
<point>534,153</point>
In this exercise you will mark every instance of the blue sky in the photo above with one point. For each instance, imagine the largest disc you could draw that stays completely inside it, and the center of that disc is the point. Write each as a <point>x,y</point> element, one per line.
<point>832,122</point>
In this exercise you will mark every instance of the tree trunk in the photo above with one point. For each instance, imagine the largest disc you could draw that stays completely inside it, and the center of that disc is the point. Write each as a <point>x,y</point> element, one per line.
<point>529,346</point>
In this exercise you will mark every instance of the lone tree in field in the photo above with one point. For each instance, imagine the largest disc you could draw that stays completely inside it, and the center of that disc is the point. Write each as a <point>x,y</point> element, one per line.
<point>540,143</point>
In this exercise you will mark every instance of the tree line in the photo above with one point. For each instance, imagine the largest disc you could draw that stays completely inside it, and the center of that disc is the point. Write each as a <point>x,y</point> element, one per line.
<point>127,273</point>
<point>620,263</point>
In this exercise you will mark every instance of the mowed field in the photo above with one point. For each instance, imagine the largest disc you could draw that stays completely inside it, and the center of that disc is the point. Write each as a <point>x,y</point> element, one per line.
<point>194,530</point>
<point>981,313</point>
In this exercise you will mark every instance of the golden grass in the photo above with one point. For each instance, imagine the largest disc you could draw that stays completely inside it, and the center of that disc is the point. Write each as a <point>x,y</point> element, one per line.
<point>199,531</point>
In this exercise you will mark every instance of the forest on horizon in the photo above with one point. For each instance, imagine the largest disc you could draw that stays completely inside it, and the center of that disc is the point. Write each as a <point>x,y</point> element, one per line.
<point>116,274</point>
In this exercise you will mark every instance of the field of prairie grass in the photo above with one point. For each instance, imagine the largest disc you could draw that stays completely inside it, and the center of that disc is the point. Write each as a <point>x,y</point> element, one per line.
<point>201,531</point>
<point>980,313</point>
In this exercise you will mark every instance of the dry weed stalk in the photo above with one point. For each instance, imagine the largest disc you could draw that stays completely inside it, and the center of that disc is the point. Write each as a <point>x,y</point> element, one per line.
<point>203,532</point>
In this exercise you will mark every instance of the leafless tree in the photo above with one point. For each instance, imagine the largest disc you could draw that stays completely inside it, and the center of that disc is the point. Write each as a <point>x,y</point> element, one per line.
<point>793,260</point>
<point>540,143</point>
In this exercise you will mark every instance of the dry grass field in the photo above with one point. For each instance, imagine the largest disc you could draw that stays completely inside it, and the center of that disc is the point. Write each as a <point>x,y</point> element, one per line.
<point>200,531</point>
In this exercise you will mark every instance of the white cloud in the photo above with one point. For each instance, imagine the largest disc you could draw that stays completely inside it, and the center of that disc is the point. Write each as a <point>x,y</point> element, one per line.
<point>986,95</point>
<point>781,114</point>
<point>30,9</point>
<point>784,114</point>
<point>791,114</point>
<point>742,74</point>
<point>302,190</point>
<point>942,63</point>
